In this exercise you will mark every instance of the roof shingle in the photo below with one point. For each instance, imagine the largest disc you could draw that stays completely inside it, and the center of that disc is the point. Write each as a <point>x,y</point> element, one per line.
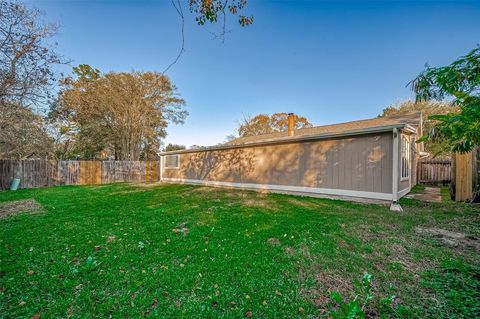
<point>412,119</point>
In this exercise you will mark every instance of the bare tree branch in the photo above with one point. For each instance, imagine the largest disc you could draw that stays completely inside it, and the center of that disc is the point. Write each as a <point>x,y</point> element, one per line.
<point>27,56</point>
<point>179,9</point>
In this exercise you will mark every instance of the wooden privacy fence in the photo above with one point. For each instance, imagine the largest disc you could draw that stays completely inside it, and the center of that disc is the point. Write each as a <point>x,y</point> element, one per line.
<point>41,173</point>
<point>464,176</point>
<point>434,171</point>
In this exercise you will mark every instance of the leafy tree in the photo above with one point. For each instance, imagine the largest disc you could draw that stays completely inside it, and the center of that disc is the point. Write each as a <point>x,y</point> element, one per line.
<point>264,124</point>
<point>122,115</point>
<point>174,147</point>
<point>459,82</point>
<point>211,10</point>
<point>439,146</point>
<point>22,133</point>
<point>27,58</point>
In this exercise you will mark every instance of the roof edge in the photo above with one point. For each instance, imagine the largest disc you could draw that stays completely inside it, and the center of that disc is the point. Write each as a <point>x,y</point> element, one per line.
<point>375,129</point>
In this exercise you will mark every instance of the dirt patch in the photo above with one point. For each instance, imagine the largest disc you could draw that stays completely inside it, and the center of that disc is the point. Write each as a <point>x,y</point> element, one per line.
<point>289,251</point>
<point>450,238</point>
<point>274,241</point>
<point>326,283</point>
<point>334,282</point>
<point>20,206</point>
<point>181,229</point>
<point>429,194</point>
<point>111,238</point>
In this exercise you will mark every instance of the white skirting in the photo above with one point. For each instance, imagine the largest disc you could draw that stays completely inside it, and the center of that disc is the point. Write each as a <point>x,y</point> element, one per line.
<point>299,189</point>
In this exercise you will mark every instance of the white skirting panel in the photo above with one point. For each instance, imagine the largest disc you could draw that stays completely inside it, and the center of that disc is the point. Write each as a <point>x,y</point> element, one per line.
<point>300,189</point>
<point>404,192</point>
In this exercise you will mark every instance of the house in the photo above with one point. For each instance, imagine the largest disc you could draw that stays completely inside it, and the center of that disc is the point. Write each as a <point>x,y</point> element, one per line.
<point>374,159</point>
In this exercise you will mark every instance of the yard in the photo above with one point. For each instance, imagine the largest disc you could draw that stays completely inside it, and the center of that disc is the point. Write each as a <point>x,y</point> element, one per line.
<point>123,250</point>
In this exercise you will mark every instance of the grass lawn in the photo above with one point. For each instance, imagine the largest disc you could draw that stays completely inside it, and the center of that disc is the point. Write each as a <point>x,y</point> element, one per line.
<point>187,251</point>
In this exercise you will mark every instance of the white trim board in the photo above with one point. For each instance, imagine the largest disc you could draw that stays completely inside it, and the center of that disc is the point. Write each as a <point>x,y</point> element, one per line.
<point>395,167</point>
<point>161,168</point>
<point>403,192</point>
<point>300,189</point>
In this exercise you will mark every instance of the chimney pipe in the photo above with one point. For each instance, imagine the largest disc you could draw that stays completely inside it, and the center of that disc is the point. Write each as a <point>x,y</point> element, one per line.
<point>291,124</point>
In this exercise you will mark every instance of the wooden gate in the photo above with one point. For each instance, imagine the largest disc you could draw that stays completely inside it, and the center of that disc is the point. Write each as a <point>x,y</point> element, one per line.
<point>434,171</point>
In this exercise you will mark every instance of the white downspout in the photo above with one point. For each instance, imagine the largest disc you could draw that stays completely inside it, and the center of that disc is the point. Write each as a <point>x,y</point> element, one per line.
<point>395,206</point>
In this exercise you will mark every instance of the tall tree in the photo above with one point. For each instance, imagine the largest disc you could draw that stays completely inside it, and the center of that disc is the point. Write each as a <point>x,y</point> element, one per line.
<point>439,146</point>
<point>122,114</point>
<point>264,124</point>
<point>22,133</point>
<point>27,57</point>
<point>459,82</point>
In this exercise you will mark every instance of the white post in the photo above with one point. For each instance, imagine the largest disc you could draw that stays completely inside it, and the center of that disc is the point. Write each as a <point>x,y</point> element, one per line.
<point>395,206</point>
<point>161,168</point>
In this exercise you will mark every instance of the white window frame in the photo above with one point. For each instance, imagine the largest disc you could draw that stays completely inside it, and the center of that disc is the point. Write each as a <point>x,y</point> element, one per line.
<point>172,167</point>
<point>405,158</point>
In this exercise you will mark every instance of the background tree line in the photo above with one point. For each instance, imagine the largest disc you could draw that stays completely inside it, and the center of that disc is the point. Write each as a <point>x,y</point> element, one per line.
<point>120,115</point>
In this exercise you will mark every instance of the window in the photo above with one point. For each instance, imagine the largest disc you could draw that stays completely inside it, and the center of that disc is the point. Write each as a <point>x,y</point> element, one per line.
<point>406,150</point>
<point>172,161</point>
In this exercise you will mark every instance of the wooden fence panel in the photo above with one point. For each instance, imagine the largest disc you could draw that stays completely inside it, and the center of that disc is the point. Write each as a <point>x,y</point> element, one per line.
<point>121,171</point>
<point>7,171</point>
<point>108,172</point>
<point>463,176</point>
<point>151,171</point>
<point>90,172</point>
<point>434,171</point>
<point>52,173</point>
<point>41,173</point>
<point>69,173</point>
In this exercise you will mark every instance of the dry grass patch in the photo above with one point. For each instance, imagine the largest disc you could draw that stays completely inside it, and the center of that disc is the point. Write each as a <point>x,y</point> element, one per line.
<point>182,228</point>
<point>306,204</point>
<point>258,202</point>
<point>206,219</point>
<point>203,190</point>
<point>273,241</point>
<point>20,206</point>
<point>451,238</point>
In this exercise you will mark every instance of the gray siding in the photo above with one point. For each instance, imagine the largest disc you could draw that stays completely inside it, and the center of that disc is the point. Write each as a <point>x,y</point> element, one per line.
<point>360,163</point>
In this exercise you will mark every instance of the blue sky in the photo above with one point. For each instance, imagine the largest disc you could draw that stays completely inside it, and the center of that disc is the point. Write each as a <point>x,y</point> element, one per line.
<point>329,61</point>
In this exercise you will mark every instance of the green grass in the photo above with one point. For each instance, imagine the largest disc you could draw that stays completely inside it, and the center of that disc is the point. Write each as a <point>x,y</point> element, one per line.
<point>419,188</point>
<point>196,252</point>
<point>445,193</point>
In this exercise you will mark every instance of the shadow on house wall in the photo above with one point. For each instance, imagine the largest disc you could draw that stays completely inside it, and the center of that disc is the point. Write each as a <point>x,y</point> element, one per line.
<point>361,163</point>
